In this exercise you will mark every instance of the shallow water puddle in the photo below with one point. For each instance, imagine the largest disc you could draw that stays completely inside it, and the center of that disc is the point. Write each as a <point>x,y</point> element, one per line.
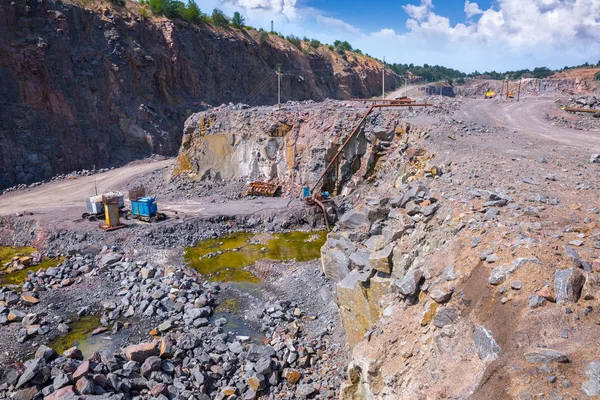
<point>81,336</point>
<point>17,277</point>
<point>225,259</point>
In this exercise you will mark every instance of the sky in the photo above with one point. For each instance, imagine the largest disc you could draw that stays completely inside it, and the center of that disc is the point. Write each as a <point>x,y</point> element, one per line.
<point>482,35</point>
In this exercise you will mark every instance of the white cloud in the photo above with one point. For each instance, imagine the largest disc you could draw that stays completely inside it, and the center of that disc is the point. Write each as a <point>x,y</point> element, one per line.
<point>556,32</point>
<point>419,12</point>
<point>337,24</point>
<point>286,8</point>
<point>472,9</point>
<point>511,34</point>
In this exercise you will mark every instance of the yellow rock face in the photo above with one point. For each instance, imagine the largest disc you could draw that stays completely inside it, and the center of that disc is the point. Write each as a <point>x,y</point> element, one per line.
<point>359,307</point>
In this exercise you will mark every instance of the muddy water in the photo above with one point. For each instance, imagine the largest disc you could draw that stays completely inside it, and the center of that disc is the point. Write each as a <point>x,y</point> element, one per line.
<point>81,336</point>
<point>226,259</point>
<point>17,277</point>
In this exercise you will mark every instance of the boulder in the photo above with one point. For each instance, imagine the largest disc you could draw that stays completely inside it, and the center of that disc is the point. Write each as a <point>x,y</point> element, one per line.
<point>442,293</point>
<point>410,283</point>
<point>354,221</point>
<point>487,348</point>
<point>545,356</point>
<point>140,352</point>
<point>445,316</point>
<point>591,387</point>
<point>32,367</point>
<point>292,375</point>
<point>360,260</point>
<point>382,260</point>
<point>375,243</point>
<point>335,263</point>
<point>73,353</point>
<point>568,284</point>
<point>152,363</point>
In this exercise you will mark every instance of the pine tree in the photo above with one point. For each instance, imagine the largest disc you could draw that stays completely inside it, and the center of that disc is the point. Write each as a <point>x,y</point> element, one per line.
<point>238,21</point>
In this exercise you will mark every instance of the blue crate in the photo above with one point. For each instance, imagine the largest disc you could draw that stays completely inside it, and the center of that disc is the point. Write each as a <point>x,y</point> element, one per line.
<point>144,207</point>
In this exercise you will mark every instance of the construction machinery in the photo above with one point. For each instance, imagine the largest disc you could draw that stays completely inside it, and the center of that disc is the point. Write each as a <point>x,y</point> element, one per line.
<point>143,208</point>
<point>95,207</point>
<point>112,212</point>
<point>490,94</point>
<point>321,200</point>
<point>256,188</point>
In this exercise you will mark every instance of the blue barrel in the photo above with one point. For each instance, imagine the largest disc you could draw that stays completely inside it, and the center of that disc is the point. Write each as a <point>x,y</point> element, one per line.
<point>305,192</point>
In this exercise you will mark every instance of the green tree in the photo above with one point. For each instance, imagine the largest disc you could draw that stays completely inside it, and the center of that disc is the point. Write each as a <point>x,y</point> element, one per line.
<point>315,43</point>
<point>238,21</point>
<point>219,19</point>
<point>295,40</point>
<point>160,7</point>
<point>262,35</point>
<point>191,12</point>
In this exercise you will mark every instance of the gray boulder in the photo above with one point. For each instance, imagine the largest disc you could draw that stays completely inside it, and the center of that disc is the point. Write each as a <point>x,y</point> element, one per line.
<point>545,356</point>
<point>568,284</point>
<point>591,387</point>
<point>486,345</point>
<point>410,283</point>
<point>382,260</point>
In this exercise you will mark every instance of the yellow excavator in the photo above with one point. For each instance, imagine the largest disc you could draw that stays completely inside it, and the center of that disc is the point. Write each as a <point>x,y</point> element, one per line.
<point>490,94</point>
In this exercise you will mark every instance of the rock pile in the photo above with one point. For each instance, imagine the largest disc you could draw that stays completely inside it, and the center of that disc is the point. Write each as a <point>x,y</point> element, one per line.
<point>375,249</point>
<point>190,354</point>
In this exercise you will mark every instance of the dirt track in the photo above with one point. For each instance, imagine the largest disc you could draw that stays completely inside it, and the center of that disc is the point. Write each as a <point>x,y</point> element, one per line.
<point>64,201</point>
<point>528,117</point>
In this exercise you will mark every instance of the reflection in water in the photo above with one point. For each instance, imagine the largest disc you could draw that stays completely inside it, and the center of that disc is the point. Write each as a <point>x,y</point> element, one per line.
<point>81,336</point>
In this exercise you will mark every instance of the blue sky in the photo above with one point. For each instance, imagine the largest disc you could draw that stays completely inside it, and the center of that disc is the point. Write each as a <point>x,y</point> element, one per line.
<point>468,35</point>
<point>386,13</point>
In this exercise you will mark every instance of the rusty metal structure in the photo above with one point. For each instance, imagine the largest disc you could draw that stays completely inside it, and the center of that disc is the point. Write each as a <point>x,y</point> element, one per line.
<point>319,200</point>
<point>112,213</point>
<point>375,104</point>
<point>137,193</point>
<point>404,100</point>
<point>264,189</point>
<point>583,110</point>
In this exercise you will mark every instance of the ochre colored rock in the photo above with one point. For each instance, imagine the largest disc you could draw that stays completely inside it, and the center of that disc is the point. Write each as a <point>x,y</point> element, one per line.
<point>139,352</point>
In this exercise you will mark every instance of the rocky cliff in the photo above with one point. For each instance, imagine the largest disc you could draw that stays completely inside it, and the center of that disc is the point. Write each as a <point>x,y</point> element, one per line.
<point>291,144</point>
<point>101,85</point>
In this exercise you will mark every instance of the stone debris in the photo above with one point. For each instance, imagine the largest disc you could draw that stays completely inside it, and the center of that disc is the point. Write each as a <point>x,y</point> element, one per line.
<point>487,348</point>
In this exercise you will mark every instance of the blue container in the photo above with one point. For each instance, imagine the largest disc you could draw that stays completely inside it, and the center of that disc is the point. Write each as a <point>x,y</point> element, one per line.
<point>305,192</point>
<point>144,207</point>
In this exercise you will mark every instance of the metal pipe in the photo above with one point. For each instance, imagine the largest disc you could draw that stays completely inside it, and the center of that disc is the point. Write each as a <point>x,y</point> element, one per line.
<point>583,110</point>
<point>371,107</point>
<point>324,212</point>
<point>343,147</point>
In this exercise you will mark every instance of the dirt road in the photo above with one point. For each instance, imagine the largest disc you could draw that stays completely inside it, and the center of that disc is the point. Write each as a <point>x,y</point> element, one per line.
<point>65,201</point>
<point>71,194</point>
<point>528,117</point>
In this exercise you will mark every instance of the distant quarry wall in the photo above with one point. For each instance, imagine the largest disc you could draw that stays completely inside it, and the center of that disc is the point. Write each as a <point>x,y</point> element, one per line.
<point>99,85</point>
<point>267,144</point>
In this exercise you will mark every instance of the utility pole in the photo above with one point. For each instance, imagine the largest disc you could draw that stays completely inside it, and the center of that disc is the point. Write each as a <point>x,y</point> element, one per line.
<point>519,92</point>
<point>95,185</point>
<point>278,86</point>
<point>507,83</point>
<point>405,87</point>
<point>272,30</point>
<point>383,80</point>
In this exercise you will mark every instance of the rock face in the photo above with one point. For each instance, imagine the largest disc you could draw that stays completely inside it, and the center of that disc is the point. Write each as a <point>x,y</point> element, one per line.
<point>227,143</point>
<point>128,83</point>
